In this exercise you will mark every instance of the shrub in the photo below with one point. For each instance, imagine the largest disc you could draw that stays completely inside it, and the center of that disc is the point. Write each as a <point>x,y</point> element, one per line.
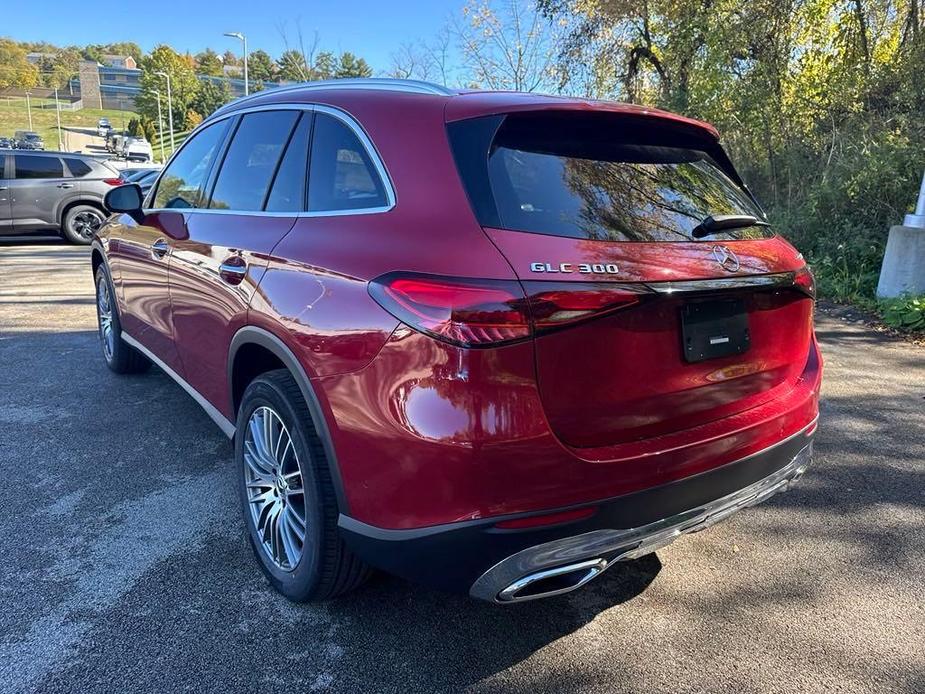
<point>906,313</point>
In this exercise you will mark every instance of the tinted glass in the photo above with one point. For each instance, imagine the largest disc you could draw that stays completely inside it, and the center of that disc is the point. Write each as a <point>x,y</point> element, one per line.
<point>341,175</point>
<point>31,166</point>
<point>250,163</point>
<point>182,181</point>
<point>288,192</point>
<point>77,167</point>
<point>587,182</point>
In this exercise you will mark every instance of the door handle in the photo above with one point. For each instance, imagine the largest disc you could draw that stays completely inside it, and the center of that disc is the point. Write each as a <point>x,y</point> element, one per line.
<point>65,185</point>
<point>233,270</point>
<point>160,248</point>
<point>2,188</point>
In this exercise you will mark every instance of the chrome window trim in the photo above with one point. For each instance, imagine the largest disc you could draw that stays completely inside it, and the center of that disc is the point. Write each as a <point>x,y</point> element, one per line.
<point>332,111</point>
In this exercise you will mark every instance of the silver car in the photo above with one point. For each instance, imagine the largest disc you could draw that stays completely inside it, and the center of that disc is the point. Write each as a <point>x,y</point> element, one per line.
<point>53,191</point>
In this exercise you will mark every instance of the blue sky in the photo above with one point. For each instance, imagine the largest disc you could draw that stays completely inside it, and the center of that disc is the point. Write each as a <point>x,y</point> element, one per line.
<point>370,28</point>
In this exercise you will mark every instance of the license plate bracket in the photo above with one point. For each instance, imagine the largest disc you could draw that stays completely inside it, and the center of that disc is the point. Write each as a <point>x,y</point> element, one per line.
<point>713,329</point>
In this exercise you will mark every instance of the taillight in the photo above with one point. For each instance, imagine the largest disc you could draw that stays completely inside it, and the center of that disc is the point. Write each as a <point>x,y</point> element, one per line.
<point>114,181</point>
<point>486,313</point>
<point>804,281</point>
<point>557,304</point>
<point>467,312</point>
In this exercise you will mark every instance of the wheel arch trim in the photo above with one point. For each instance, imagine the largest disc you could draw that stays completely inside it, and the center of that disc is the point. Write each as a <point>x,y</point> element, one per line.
<point>251,334</point>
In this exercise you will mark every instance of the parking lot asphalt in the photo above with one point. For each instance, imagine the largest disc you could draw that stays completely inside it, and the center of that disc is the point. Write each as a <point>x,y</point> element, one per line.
<point>125,565</point>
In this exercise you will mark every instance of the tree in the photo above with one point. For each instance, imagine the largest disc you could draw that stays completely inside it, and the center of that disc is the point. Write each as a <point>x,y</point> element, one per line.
<point>183,84</point>
<point>15,70</point>
<point>351,66</point>
<point>292,66</point>
<point>324,66</point>
<point>260,67</point>
<point>63,67</point>
<point>229,58</point>
<point>210,97</point>
<point>208,63</point>
<point>513,47</point>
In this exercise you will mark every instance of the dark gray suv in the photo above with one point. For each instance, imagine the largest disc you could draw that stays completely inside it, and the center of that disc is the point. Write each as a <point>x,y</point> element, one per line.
<point>52,191</point>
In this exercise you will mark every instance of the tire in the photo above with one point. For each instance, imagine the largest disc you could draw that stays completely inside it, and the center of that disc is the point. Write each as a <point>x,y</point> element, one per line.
<point>81,222</point>
<point>120,356</point>
<point>273,499</point>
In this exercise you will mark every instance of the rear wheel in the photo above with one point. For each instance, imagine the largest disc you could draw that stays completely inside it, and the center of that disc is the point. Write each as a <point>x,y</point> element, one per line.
<point>81,222</point>
<point>120,356</point>
<point>287,496</point>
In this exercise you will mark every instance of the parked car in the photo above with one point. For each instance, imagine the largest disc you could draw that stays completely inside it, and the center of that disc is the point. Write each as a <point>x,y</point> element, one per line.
<point>492,342</point>
<point>27,139</point>
<point>103,127</point>
<point>137,149</point>
<point>6,143</point>
<point>53,191</point>
<point>143,177</point>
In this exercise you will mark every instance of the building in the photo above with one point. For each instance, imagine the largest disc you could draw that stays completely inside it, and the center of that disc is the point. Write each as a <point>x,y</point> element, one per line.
<point>126,62</point>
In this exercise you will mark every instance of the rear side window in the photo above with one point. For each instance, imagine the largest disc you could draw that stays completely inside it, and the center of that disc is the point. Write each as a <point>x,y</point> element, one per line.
<point>77,167</point>
<point>341,174</point>
<point>288,192</point>
<point>589,178</point>
<point>31,166</point>
<point>251,161</point>
<point>182,182</point>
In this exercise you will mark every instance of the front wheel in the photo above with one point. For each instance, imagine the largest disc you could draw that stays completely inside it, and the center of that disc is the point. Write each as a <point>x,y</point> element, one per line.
<point>120,356</point>
<point>81,223</point>
<point>287,496</point>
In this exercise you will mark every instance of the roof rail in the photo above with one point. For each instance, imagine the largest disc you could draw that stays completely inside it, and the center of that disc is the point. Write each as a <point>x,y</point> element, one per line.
<point>377,83</point>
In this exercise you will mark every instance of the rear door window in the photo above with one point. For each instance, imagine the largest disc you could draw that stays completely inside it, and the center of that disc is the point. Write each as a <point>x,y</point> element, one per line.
<point>341,173</point>
<point>288,191</point>
<point>77,167</point>
<point>252,159</point>
<point>183,180</point>
<point>595,178</point>
<point>34,166</point>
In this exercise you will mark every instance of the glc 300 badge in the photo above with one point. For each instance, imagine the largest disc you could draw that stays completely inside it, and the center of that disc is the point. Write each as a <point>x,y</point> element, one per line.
<point>583,268</point>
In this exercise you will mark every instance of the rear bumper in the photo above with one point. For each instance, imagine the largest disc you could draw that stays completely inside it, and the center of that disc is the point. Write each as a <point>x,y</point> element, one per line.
<point>504,565</point>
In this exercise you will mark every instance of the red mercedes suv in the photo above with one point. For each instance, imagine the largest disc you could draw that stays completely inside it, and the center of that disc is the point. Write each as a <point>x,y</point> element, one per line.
<point>492,342</point>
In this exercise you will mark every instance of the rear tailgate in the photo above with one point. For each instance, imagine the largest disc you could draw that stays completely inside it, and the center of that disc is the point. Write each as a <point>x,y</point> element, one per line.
<point>583,205</point>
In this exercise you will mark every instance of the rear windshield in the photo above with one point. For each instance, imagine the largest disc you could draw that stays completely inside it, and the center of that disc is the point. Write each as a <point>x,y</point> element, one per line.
<point>589,178</point>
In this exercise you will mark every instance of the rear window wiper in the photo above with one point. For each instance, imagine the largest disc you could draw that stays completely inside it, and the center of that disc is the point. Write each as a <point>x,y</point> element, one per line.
<point>716,223</point>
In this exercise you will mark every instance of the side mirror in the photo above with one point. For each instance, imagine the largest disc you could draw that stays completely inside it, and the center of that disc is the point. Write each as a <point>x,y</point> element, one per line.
<point>127,199</point>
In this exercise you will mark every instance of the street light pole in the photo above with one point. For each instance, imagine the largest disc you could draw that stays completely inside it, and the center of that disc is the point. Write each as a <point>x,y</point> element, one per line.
<point>243,39</point>
<point>169,108</point>
<point>29,109</point>
<point>160,125</point>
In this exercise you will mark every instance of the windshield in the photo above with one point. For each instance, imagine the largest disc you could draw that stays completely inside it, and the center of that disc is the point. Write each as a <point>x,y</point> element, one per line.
<point>594,181</point>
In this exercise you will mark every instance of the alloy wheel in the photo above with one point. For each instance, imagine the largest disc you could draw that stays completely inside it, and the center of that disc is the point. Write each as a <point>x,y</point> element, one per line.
<point>275,492</point>
<point>104,314</point>
<point>85,224</point>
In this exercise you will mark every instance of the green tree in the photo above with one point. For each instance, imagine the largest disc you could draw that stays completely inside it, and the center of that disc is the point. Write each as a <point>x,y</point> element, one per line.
<point>260,67</point>
<point>183,84</point>
<point>351,66</point>
<point>292,66</point>
<point>208,63</point>
<point>325,66</point>
<point>211,96</point>
<point>15,70</point>
<point>229,58</point>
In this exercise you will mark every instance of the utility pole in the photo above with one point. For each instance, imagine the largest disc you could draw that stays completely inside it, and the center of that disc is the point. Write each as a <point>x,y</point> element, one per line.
<point>58,116</point>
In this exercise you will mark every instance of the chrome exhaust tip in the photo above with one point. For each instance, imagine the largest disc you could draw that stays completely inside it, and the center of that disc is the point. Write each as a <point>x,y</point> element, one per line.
<point>556,581</point>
